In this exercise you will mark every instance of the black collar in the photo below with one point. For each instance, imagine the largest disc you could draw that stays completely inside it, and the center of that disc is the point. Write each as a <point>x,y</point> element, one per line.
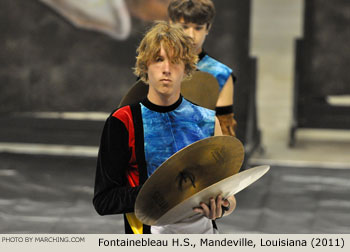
<point>161,109</point>
<point>202,54</point>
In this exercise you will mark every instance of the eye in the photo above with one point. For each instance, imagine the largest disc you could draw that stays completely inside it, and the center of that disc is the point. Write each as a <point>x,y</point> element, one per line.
<point>185,27</point>
<point>199,28</point>
<point>159,59</point>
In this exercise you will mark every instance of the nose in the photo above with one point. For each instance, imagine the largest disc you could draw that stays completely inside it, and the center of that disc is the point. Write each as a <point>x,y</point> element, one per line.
<point>190,32</point>
<point>166,67</point>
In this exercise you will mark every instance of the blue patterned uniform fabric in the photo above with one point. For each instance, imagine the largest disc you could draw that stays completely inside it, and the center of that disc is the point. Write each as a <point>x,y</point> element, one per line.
<point>220,71</point>
<point>168,132</point>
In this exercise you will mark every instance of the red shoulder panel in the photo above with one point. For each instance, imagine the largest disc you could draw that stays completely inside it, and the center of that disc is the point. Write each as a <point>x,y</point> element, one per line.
<point>124,114</point>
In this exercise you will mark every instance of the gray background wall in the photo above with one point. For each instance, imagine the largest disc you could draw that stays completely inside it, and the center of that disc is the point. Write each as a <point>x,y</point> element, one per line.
<point>49,65</point>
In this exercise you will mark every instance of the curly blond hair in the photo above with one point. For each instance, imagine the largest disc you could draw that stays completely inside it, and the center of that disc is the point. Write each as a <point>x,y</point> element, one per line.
<point>177,45</point>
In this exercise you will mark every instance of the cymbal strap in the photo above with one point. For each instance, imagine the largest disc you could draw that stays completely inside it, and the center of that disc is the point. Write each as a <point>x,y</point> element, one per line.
<point>135,224</point>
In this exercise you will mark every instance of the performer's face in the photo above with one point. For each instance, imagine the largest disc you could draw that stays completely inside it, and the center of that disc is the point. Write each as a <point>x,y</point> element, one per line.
<point>197,32</point>
<point>165,77</point>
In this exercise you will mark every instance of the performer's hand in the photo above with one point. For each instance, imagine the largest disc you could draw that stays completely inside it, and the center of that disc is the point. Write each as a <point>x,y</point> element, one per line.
<point>228,124</point>
<point>215,208</point>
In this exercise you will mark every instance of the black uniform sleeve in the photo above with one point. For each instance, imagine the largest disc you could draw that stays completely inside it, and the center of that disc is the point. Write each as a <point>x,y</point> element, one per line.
<point>112,194</point>
<point>224,110</point>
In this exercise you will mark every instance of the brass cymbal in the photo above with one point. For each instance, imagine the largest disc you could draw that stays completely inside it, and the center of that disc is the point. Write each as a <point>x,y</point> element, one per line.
<point>136,93</point>
<point>226,187</point>
<point>202,89</point>
<point>186,173</point>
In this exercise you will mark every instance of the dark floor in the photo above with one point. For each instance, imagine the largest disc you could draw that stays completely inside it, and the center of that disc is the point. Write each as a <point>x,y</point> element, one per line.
<point>294,200</point>
<point>45,194</point>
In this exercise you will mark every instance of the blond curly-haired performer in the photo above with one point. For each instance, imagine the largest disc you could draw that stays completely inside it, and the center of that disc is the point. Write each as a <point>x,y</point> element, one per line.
<point>137,138</point>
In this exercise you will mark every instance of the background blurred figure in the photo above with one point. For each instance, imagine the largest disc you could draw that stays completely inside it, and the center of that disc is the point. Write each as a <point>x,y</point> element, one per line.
<point>111,17</point>
<point>196,18</point>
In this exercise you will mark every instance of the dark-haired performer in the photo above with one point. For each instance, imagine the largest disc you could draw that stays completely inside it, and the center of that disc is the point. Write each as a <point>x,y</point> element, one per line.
<point>137,138</point>
<point>196,18</point>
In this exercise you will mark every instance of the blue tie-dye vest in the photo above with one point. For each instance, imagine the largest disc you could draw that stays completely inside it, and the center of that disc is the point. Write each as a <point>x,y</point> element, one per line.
<point>168,132</point>
<point>220,71</point>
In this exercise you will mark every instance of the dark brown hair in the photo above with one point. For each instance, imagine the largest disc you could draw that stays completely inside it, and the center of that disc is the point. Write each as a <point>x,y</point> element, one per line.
<point>192,11</point>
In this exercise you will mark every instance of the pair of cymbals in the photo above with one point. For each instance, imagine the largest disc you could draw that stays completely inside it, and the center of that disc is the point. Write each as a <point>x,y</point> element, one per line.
<point>225,187</point>
<point>202,89</point>
<point>168,195</point>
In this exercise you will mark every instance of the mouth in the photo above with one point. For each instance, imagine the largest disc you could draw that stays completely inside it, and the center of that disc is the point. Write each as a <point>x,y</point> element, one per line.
<point>165,80</point>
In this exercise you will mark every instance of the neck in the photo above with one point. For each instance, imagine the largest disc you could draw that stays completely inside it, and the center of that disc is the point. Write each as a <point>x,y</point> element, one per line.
<point>163,100</point>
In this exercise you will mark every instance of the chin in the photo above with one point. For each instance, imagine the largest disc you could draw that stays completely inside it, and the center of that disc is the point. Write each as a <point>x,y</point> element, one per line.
<point>167,93</point>
<point>197,50</point>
